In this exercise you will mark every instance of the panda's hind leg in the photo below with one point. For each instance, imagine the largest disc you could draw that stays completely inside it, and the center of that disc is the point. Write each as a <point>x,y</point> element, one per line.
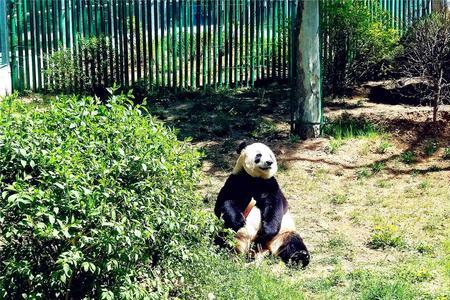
<point>293,250</point>
<point>288,244</point>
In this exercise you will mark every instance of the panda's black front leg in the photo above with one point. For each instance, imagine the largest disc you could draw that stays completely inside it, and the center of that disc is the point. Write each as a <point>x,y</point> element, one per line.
<point>232,215</point>
<point>271,217</point>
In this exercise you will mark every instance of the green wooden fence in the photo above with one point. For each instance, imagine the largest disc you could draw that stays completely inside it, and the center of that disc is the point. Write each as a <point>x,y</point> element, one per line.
<point>168,43</point>
<point>3,35</point>
<point>70,45</point>
<point>403,12</point>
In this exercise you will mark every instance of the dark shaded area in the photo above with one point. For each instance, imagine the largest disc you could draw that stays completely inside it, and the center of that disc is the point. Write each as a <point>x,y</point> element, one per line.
<point>218,120</point>
<point>397,92</point>
<point>422,132</point>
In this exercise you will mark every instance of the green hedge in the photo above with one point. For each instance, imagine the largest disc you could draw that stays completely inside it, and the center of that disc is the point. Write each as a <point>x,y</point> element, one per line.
<point>96,201</point>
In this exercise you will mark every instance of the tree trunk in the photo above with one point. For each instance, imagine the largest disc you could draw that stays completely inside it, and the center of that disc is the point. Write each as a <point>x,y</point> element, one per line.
<point>436,5</point>
<point>306,101</point>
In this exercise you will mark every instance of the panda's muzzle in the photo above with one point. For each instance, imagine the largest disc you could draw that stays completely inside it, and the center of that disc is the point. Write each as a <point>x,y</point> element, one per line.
<point>268,165</point>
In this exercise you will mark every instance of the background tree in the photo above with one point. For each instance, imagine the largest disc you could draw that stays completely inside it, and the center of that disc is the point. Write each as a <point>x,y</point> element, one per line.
<point>426,57</point>
<point>306,102</point>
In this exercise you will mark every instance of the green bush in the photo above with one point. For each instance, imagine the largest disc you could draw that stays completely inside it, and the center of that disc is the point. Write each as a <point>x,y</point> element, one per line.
<point>97,201</point>
<point>85,71</point>
<point>362,44</point>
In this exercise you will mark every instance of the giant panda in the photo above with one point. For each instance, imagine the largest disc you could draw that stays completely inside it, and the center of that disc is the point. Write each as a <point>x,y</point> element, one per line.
<point>265,222</point>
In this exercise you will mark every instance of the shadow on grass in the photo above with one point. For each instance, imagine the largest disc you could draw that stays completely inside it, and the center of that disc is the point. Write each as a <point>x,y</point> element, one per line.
<point>218,120</point>
<point>420,134</point>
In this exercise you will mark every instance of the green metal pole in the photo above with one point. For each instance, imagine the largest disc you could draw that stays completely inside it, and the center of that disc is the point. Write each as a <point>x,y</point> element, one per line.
<point>226,40</point>
<point>33,44</point>
<point>137,20</point>
<point>156,16</point>
<point>174,45</point>
<point>252,42</point>
<point>39,41</point>
<point>14,46</point>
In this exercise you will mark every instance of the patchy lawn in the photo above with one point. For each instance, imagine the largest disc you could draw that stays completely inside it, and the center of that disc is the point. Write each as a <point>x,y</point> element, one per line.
<point>373,205</point>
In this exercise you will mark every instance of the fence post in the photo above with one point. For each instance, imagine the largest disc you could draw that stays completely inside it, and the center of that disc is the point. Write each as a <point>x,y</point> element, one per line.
<point>14,44</point>
<point>436,5</point>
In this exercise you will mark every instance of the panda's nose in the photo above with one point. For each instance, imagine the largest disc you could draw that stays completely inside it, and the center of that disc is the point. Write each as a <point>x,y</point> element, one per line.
<point>269,162</point>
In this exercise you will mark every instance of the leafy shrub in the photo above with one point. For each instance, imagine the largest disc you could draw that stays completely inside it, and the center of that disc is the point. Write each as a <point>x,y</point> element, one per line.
<point>361,44</point>
<point>96,201</point>
<point>83,71</point>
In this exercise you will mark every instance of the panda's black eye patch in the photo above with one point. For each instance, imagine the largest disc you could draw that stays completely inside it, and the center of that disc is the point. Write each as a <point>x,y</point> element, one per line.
<point>258,158</point>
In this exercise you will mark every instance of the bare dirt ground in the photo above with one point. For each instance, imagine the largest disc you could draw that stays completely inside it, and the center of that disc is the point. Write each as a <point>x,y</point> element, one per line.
<point>377,204</point>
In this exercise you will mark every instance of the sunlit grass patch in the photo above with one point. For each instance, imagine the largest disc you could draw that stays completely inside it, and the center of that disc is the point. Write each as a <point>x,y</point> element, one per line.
<point>338,199</point>
<point>384,236</point>
<point>347,127</point>
<point>370,286</point>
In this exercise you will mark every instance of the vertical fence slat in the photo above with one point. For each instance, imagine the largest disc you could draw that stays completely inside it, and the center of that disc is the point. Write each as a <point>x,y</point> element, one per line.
<point>14,47</point>
<point>33,43</point>
<point>26,45</point>
<point>204,43</point>
<point>149,62</point>
<point>20,45</point>
<point>226,51</point>
<point>39,42</point>
<point>157,71</point>
<point>236,44</point>
<point>174,44</point>
<point>181,27</point>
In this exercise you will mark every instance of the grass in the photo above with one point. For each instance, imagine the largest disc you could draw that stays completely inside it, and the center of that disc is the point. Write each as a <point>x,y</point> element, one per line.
<point>384,236</point>
<point>446,153</point>
<point>408,157</point>
<point>347,127</point>
<point>430,148</point>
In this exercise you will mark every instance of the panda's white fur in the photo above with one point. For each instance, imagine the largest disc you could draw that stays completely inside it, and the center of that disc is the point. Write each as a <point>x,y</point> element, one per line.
<point>266,167</point>
<point>247,234</point>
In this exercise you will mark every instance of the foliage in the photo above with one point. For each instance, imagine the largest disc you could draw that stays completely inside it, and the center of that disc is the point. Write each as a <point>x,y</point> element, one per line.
<point>85,70</point>
<point>97,201</point>
<point>361,44</point>
<point>426,57</point>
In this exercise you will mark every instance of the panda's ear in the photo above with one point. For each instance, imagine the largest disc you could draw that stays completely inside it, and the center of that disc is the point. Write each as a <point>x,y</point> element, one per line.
<point>241,146</point>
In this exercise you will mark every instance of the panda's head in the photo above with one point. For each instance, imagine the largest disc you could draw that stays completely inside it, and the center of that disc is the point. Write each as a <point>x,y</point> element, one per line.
<point>257,160</point>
